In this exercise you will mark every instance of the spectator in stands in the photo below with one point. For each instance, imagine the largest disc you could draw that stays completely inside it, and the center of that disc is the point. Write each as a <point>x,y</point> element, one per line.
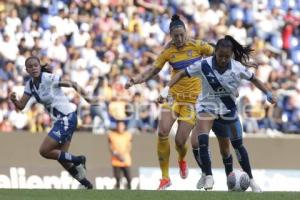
<point>86,39</point>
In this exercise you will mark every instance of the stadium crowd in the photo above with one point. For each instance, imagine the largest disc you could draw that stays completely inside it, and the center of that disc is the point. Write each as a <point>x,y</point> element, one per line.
<point>101,43</point>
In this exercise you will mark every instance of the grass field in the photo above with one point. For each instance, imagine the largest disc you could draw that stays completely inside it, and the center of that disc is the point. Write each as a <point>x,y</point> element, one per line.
<point>11,194</point>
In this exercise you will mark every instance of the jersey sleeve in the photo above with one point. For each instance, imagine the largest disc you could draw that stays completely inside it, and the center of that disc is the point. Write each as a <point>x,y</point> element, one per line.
<point>52,79</point>
<point>204,48</point>
<point>194,69</point>
<point>245,73</point>
<point>27,89</point>
<point>161,59</point>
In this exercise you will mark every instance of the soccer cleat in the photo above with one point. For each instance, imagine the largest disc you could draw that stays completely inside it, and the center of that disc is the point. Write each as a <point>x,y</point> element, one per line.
<point>86,183</point>
<point>83,161</point>
<point>164,183</point>
<point>183,169</point>
<point>209,182</point>
<point>254,187</point>
<point>201,181</point>
<point>81,172</point>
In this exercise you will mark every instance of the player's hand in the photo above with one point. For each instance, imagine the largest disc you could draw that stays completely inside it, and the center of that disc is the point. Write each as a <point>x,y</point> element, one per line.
<point>271,98</point>
<point>13,97</point>
<point>163,94</point>
<point>160,99</point>
<point>129,83</point>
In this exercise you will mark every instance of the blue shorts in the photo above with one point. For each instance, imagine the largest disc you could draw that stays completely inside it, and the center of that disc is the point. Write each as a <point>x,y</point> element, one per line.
<point>64,128</point>
<point>231,129</point>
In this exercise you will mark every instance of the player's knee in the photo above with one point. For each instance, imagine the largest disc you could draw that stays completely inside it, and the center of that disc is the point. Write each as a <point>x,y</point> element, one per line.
<point>237,143</point>
<point>163,132</point>
<point>43,152</point>
<point>179,143</point>
<point>225,152</point>
<point>203,140</point>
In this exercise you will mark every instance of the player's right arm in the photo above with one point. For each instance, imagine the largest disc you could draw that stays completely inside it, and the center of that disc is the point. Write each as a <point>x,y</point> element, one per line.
<point>20,104</point>
<point>148,74</point>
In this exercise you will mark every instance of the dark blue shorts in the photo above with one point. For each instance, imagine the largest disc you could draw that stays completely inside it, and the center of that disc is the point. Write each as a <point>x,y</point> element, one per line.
<point>230,129</point>
<point>64,128</point>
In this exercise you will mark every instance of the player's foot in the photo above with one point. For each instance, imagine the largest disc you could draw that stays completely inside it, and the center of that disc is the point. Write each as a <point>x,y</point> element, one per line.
<point>201,181</point>
<point>209,182</point>
<point>83,161</point>
<point>254,187</point>
<point>81,172</point>
<point>183,169</point>
<point>164,183</point>
<point>86,183</point>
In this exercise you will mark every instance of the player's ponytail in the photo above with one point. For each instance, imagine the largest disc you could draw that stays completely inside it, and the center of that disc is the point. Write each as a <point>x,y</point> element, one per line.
<point>45,68</point>
<point>241,53</point>
<point>175,22</point>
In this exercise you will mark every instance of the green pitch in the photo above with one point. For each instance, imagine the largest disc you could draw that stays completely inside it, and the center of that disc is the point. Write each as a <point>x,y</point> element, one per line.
<point>6,194</point>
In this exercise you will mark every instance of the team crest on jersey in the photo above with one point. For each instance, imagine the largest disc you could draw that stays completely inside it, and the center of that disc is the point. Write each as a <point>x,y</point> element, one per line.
<point>43,87</point>
<point>232,74</point>
<point>190,53</point>
<point>173,56</point>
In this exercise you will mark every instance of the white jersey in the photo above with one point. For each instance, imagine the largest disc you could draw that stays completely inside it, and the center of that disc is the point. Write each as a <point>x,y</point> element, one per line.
<point>219,90</point>
<point>50,95</point>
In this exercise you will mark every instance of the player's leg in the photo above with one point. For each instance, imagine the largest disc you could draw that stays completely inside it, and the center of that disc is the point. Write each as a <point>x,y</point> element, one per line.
<point>222,132</point>
<point>241,152</point>
<point>117,175</point>
<point>224,145</point>
<point>166,121</point>
<point>194,142</point>
<point>50,149</point>
<point>78,172</point>
<point>61,133</point>
<point>186,122</point>
<point>127,174</point>
<point>200,135</point>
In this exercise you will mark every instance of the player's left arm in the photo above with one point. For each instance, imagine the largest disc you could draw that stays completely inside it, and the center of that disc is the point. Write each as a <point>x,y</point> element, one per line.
<point>245,73</point>
<point>260,85</point>
<point>78,89</point>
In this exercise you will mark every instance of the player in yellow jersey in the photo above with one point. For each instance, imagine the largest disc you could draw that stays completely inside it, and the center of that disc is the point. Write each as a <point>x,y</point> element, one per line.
<point>180,53</point>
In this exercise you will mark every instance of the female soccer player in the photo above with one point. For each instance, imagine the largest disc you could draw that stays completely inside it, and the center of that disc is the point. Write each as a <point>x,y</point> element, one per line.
<point>46,88</point>
<point>180,53</point>
<point>216,107</point>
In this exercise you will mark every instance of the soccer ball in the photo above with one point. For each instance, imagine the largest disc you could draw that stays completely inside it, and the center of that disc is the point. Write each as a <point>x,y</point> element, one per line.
<point>238,181</point>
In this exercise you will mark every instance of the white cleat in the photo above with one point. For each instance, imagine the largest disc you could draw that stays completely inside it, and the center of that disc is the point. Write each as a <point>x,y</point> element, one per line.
<point>209,182</point>
<point>81,172</point>
<point>201,181</point>
<point>254,186</point>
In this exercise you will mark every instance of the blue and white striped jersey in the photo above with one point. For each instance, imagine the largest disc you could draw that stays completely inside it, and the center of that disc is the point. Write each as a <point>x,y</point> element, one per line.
<point>50,95</point>
<point>219,89</point>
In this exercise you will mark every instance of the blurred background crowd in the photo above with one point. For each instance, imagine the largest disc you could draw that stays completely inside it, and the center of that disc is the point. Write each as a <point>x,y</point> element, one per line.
<point>101,43</point>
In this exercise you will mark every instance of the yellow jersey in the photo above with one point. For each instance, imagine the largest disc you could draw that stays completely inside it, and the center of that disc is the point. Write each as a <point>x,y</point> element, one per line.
<point>187,89</point>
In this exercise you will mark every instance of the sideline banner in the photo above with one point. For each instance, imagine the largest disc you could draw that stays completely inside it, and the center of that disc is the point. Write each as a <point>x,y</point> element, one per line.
<point>268,179</point>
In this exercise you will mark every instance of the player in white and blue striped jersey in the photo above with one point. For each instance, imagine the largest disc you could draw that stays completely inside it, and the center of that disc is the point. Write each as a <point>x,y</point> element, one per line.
<point>46,89</point>
<point>216,107</point>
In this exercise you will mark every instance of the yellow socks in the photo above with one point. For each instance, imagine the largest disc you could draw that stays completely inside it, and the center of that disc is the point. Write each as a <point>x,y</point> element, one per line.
<point>163,152</point>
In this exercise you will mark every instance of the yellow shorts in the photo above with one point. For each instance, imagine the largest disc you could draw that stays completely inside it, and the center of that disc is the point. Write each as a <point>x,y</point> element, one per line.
<point>185,111</point>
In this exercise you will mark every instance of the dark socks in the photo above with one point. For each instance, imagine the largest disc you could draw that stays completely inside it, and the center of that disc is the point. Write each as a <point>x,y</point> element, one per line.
<point>204,155</point>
